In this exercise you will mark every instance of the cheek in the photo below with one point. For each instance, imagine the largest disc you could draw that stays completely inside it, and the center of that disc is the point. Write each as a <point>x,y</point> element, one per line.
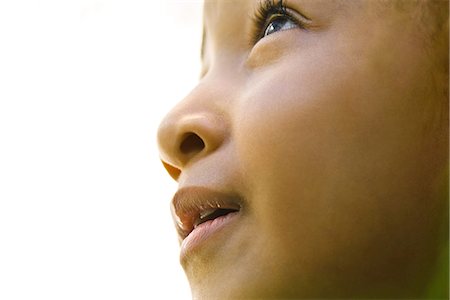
<point>287,140</point>
<point>322,123</point>
<point>323,152</point>
<point>293,121</point>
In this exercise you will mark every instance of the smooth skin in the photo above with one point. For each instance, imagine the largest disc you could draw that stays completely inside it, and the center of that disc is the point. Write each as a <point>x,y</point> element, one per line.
<point>336,137</point>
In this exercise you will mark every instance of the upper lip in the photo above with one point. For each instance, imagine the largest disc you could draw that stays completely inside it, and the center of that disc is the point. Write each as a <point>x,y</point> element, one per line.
<point>189,203</point>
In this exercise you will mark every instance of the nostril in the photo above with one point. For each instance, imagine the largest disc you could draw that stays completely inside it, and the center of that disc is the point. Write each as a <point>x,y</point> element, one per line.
<point>192,143</point>
<point>173,172</point>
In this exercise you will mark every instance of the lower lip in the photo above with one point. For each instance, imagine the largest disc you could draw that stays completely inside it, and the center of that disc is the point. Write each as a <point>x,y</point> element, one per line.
<point>205,230</point>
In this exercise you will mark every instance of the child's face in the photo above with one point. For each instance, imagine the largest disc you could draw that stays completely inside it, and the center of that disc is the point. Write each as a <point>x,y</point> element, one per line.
<point>334,138</point>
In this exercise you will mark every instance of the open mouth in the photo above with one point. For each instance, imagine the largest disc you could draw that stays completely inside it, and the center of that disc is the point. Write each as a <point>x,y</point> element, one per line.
<point>211,214</point>
<point>194,206</point>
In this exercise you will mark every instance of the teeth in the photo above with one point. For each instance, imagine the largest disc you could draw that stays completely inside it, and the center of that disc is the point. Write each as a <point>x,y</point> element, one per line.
<point>207,212</point>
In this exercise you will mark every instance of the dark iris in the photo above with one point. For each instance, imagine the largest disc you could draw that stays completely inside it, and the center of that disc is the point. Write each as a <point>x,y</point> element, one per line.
<point>279,24</point>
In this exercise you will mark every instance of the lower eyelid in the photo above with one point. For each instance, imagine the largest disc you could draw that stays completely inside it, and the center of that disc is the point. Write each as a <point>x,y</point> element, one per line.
<point>270,49</point>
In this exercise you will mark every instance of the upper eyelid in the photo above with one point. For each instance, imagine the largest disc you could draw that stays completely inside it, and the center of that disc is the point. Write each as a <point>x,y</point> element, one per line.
<point>298,14</point>
<point>290,8</point>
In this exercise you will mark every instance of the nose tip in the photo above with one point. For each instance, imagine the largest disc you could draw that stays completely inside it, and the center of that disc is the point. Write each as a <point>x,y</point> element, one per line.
<point>184,139</point>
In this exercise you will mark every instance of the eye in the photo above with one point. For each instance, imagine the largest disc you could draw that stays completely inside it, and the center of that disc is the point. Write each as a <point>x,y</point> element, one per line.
<point>279,23</point>
<point>272,16</point>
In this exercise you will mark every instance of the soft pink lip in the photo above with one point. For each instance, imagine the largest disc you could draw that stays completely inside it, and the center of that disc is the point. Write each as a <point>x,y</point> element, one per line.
<point>205,231</point>
<point>189,202</point>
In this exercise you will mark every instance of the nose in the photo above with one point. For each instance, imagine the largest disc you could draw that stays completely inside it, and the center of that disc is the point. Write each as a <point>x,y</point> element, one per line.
<point>187,135</point>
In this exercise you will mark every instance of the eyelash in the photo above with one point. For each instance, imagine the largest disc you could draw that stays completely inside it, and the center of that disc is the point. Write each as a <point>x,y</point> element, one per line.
<point>264,16</point>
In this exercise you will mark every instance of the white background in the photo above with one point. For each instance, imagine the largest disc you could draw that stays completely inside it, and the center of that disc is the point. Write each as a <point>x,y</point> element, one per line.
<point>84,199</point>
